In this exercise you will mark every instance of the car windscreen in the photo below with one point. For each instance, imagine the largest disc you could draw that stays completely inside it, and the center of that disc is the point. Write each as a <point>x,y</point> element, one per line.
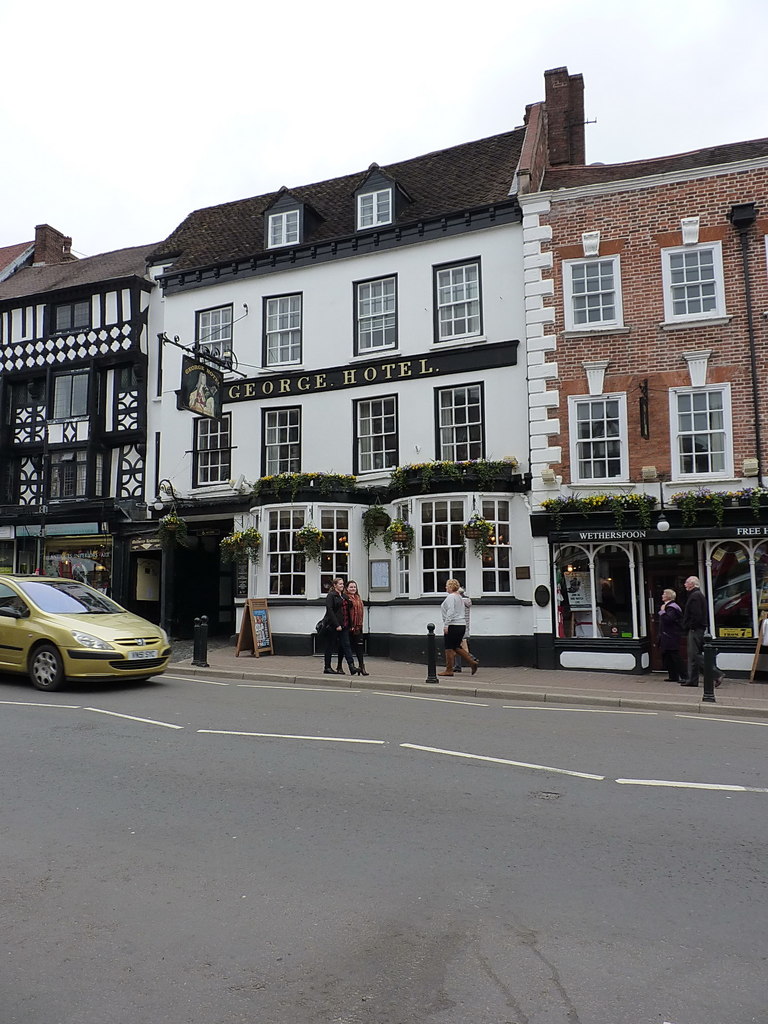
<point>68,596</point>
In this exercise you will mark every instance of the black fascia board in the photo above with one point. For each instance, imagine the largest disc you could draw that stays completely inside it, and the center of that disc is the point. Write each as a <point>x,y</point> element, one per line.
<point>391,236</point>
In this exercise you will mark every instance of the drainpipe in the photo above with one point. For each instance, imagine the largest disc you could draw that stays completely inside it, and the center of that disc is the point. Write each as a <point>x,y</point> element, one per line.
<point>742,216</point>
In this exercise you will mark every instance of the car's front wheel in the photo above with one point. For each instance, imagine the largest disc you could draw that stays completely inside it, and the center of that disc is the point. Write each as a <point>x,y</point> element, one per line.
<point>46,669</point>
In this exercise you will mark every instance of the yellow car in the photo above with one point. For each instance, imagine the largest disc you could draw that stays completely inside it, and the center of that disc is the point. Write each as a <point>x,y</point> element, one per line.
<point>55,629</point>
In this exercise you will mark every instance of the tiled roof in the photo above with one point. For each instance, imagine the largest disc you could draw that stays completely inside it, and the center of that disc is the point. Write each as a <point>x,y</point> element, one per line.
<point>468,176</point>
<point>107,266</point>
<point>572,177</point>
<point>9,253</point>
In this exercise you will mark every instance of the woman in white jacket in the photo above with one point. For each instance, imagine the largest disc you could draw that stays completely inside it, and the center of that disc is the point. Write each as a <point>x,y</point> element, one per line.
<point>454,624</point>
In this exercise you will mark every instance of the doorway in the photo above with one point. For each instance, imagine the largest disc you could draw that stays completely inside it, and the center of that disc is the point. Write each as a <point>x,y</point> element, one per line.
<point>667,567</point>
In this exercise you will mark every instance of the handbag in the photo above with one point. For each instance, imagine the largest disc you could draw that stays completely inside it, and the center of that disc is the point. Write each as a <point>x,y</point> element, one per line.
<point>320,626</point>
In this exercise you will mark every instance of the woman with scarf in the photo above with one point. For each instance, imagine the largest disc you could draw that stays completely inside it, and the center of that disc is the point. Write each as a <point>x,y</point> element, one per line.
<point>355,613</point>
<point>336,621</point>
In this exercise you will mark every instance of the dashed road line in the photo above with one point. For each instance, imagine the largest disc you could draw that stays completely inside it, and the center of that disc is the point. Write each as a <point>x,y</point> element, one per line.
<point>133,718</point>
<point>439,700</point>
<point>38,704</point>
<point>502,760</point>
<point>690,785</point>
<point>288,736</point>
<point>733,721</point>
<point>311,689</point>
<point>589,711</point>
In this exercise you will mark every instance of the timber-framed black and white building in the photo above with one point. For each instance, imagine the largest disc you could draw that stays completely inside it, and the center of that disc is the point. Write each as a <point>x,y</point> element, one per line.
<point>73,357</point>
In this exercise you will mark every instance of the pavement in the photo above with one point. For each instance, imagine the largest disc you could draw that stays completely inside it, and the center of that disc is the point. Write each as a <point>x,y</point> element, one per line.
<point>604,689</point>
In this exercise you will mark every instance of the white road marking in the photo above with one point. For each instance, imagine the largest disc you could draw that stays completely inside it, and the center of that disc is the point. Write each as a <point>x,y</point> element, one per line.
<point>690,785</point>
<point>312,689</point>
<point>37,704</point>
<point>733,721</point>
<point>590,711</point>
<point>440,700</point>
<point>186,679</point>
<point>133,718</point>
<point>502,760</point>
<point>288,736</point>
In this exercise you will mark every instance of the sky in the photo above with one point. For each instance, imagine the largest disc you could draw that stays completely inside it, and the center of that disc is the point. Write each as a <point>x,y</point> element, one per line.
<point>120,119</point>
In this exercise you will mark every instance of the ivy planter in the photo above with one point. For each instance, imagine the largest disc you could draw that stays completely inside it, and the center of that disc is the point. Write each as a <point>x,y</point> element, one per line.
<point>450,477</point>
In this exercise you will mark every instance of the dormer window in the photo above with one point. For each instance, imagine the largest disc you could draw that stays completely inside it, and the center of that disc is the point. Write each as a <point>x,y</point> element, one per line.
<point>374,208</point>
<point>283,228</point>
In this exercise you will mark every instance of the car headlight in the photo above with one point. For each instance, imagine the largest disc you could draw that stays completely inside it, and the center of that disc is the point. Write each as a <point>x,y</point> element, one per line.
<point>164,636</point>
<point>86,640</point>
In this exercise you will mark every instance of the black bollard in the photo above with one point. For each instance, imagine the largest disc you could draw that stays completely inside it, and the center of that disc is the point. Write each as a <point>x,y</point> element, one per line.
<point>709,669</point>
<point>431,663</point>
<point>200,643</point>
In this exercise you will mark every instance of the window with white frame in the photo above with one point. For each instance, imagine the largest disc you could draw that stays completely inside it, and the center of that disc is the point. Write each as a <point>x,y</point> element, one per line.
<point>377,435</point>
<point>460,423</point>
<point>212,455</point>
<point>592,294</point>
<point>443,549</point>
<point>286,563</point>
<point>213,332</point>
<point>282,319</point>
<point>457,301</point>
<point>281,432</point>
<point>693,282</point>
<point>497,558</point>
<point>701,441</point>
<point>68,474</point>
<point>402,558</point>
<point>283,228</point>
<point>376,314</point>
<point>598,435</point>
<point>70,395</point>
<point>334,557</point>
<point>374,208</point>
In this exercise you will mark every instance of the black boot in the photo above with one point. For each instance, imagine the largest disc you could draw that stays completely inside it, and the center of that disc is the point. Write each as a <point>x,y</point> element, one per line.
<point>361,671</point>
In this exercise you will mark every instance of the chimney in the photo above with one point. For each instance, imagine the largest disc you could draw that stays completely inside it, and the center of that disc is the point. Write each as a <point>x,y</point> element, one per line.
<point>565,117</point>
<point>51,246</point>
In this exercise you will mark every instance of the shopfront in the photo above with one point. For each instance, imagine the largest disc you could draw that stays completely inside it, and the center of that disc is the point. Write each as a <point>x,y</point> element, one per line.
<point>607,587</point>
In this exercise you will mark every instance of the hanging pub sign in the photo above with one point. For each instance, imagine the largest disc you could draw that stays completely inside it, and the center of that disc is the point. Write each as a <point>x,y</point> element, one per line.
<point>202,388</point>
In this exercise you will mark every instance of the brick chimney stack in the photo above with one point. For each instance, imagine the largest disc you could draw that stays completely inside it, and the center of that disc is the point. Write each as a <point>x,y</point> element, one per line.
<point>565,117</point>
<point>51,246</point>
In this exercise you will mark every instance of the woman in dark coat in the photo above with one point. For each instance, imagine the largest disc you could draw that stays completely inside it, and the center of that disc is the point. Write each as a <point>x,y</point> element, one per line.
<point>670,631</point>
<point>336,621</point>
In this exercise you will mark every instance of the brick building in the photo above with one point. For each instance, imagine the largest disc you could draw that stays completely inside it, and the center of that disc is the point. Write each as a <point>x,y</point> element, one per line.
<point>646,298</point>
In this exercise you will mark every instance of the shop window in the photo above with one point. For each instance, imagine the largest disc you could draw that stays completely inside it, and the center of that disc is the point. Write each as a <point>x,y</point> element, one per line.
<point>594,592</point>
<point>334,560</point>
<point>732,590</point>
<point>285,562</point>
<point>497,560</point>
<point>91,565</point>
<point>443,547</point>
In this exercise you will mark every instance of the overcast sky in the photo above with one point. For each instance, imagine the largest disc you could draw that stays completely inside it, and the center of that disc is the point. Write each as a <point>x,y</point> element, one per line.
<point>119,119</point>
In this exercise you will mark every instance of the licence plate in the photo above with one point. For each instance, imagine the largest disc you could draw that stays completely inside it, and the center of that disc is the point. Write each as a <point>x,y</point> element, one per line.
<point>142,655</point>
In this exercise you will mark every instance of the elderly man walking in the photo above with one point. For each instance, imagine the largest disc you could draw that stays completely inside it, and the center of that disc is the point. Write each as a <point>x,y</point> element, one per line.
<point>695,622</point>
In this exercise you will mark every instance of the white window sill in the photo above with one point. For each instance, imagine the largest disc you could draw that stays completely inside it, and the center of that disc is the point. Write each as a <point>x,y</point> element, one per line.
<point>371,353</point>
<point>601,485</point>
<point>461,340</point>
<point>588,332</point>
<point>680,325</point>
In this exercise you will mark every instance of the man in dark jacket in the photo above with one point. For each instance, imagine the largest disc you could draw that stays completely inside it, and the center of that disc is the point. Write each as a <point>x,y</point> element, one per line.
<point>695,620</point>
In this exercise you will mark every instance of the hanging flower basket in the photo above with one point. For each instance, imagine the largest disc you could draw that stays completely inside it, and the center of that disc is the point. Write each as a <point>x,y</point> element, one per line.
<point>375,521</point>
<point>480,531</point>
<point>240,546</point>
<point>171,529</point>
<point>310,539</point>
<point>401,533</point>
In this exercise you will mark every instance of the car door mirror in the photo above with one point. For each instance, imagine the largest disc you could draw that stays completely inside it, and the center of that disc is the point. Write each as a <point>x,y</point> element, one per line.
<point>14,613</point>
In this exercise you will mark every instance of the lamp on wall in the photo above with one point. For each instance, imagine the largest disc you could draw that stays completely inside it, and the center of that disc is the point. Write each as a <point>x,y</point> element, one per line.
<point>662,523</point>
